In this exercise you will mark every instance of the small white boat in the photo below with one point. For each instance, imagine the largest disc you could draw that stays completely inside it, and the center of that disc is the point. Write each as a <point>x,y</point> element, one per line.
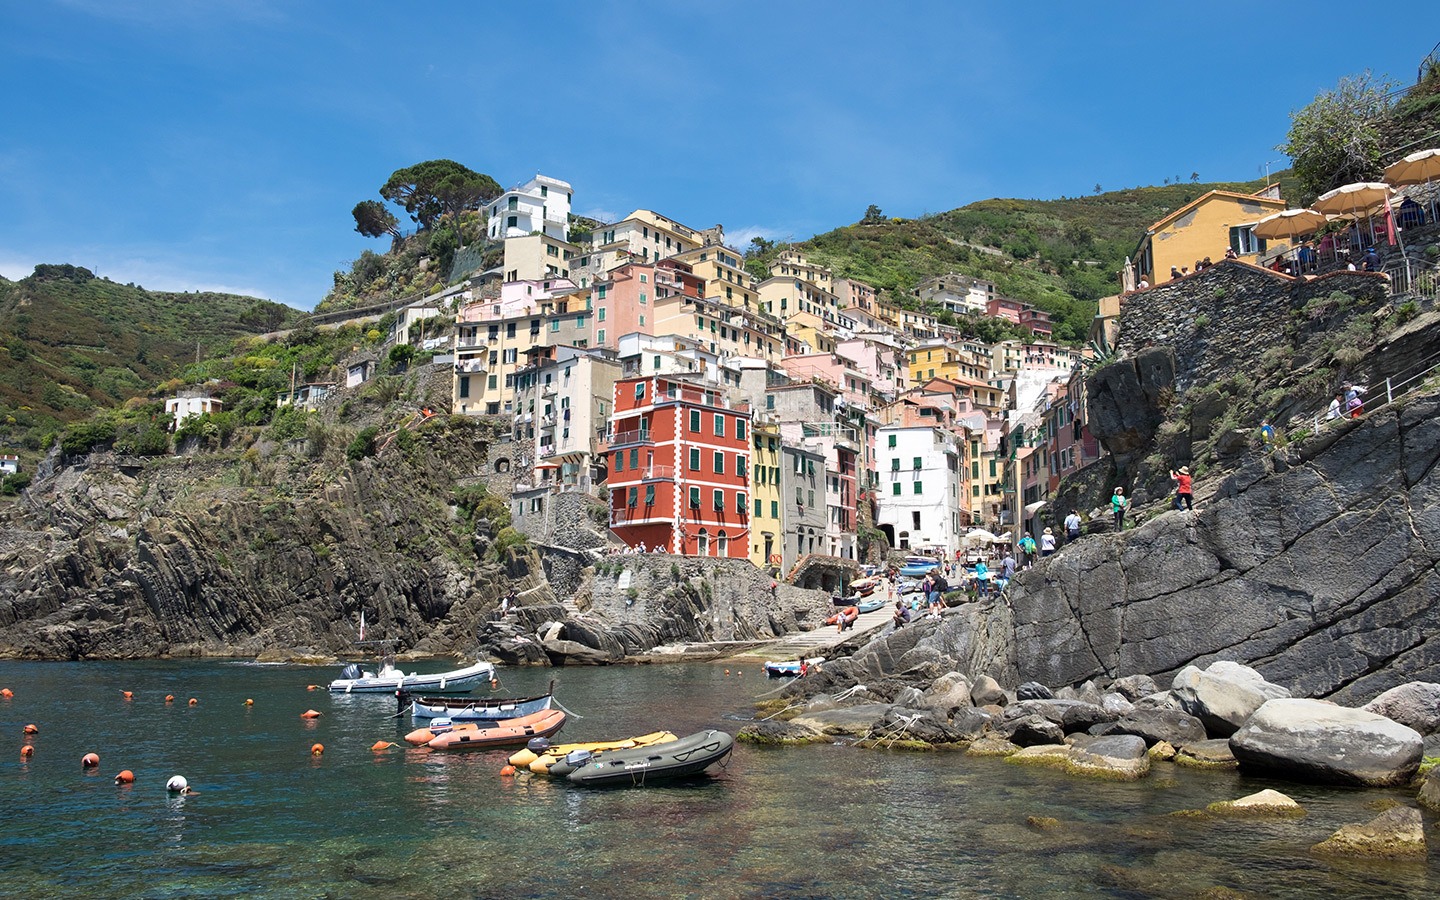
<point>389,679</point>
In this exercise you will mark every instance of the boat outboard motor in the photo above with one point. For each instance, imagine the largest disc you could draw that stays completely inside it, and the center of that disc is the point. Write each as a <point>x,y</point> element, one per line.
<point>577,759</point>
<point>350,672</point>
<point>538,745</point>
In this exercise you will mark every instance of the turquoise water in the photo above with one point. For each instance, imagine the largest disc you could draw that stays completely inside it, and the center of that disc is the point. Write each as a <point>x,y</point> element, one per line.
<point>270,820</point>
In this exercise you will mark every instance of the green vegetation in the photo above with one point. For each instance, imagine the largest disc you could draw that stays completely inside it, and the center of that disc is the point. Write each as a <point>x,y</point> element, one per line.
<point>72,344</point>
<point>476,503</point>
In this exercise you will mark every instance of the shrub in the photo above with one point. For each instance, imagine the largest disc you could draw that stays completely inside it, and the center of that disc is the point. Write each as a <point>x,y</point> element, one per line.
<point>288,424</point>
<point>1408,310</point>
<point>364,443</point>
<point>11,485</point>
<point>1202,320</point>
<point>506,540</point>
<point>82,436</point>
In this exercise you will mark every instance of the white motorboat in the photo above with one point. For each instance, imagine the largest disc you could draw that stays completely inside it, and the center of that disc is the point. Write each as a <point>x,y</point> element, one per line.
<point>390,679</point>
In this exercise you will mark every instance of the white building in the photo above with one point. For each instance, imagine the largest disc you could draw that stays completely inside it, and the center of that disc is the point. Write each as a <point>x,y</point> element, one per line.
<point>957,293</point>
<point>541,204</point>
<point>918,500</point>
<point>190,404</point>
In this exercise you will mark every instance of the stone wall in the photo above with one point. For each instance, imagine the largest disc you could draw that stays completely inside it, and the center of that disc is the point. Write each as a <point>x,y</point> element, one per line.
<point>563,521</point>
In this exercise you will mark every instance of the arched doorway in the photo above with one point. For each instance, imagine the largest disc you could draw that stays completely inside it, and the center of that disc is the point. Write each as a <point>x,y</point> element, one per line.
<point>703,543</point>
<point>722,544</point>
<point>502,466</point>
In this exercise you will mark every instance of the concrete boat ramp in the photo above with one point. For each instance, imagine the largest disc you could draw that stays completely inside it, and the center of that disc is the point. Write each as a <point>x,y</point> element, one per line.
<point>820,641</point>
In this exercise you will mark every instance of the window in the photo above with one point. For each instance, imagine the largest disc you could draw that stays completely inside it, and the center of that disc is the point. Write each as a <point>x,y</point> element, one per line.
<point>642,320</point>
<point>740,429</point>
<point>600,336</point>
<point>633,497</point>
<point>620,460</point>
<point>895,489</point>
<point>465,386</point>
<point>719,498</point>
<point>895,464</point>
<point>554,324</point>
<point>916,464</point>
<point>512,203</point>
<point>740,464</point>
<point>639,390</point>
<point>642,296</point>
<point>703,542</point>
<point>635,456</point>
<point>642,279</point>
<point>694,498</point>
<point>770,404</point>
<point>492,382</point>
<point>1244,241</point>
<point>512,222</point>
<point>694,459</point>
<point>740,503</point>
<point>722,544</point>
<point>774,509</point>
<point>695,420</point>
<point>975,468</point>
<point>719,425</point>
<point>649,495</point>
<point>758,505</point>
<point>799,496</point>
<point>719,463</point>
<point>917,487</point>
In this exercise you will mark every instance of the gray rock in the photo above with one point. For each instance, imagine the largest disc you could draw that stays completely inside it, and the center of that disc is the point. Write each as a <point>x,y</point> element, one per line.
<point>1429,795</point>
<point>1319,741</point>
<point>1087,692</point>
<point>1223,695</point>
<point>1033,690</point>
<point>1116,704</point>
<point>778,733</point>
<point>1120,757</point>
<point>1415,704</point>
<point>1118,746</point>
<point>1160,700</point>
<point>850,720</point>
<point>948,692</point>
<point>1211,754</point>
<point>1028,731</point>
<point>1154,725</point>
<point>986,691</point>
<point>910,698</point>
<point>1397,833</point>
<point>970,723</point>
<point>1072,715</point>
<point>1133,687</point>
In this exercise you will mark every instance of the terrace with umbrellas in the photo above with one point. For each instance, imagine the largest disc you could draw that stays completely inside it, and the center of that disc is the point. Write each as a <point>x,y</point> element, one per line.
<point>1396,217</point>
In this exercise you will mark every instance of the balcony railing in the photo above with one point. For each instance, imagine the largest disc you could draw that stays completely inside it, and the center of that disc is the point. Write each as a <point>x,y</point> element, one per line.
<point>630,437</point>
<point>658,473</point>
<point>470,365</point>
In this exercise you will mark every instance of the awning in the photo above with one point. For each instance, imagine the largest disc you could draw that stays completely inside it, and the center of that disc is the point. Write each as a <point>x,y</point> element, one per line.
<point>1030,508</point>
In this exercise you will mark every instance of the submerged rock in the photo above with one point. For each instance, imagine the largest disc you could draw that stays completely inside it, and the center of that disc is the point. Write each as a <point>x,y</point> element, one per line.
<point>1155,725</point>
<point>1429,795</point>
<point>1223,695</point>
<point>1320,741</point>
<point>850,720</point>
<point>1264,803</point>
<point>1119,757</point>
<point>779,734</point>
<point>991,745</point>
<point>1211,754</point>
<point>1397,833</point>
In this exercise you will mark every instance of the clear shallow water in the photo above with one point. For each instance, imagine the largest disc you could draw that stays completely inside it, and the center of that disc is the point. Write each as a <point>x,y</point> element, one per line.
<point>271,821</point>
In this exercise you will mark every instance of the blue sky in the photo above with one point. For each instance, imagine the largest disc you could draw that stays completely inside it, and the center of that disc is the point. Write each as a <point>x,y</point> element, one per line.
<point>185,144</point>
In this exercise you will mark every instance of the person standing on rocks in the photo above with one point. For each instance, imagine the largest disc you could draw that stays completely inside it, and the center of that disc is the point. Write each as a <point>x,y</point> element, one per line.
<point>1007,565</point>
<point>1072,526</point>
<point>1047,543</point>
<point>1118,504</point>
<point>1183,490</point>
<point>1027,550</point>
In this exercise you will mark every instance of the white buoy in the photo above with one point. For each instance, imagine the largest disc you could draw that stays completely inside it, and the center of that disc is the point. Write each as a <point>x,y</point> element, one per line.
<point>177,784</point>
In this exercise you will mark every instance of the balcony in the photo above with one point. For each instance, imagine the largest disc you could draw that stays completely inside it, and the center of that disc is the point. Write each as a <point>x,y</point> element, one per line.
<point>470,365</point>
<point>622,438</point>
<point>549,390</point>
<point>658,473</point>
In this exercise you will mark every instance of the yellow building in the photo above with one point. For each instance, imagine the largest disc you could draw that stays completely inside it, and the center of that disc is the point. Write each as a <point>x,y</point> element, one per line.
<point>1205,227</point>
<point>767,531</point>
<point>933,359</point>
<point>811,331</point>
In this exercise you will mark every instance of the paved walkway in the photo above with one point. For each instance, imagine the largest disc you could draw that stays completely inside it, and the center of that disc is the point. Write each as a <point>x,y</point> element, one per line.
<point>819,641</point>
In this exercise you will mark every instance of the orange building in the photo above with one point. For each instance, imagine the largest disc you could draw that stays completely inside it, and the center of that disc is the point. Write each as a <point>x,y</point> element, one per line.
<point>679,467</point>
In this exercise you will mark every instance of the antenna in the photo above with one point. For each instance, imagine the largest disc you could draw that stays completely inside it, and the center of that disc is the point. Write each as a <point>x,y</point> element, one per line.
<point>1267,170</point>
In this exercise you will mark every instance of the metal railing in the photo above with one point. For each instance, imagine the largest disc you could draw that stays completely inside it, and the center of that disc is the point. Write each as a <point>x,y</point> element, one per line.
<point>1396,388</point>
<point>1413,278</point>
<point>630,437</point>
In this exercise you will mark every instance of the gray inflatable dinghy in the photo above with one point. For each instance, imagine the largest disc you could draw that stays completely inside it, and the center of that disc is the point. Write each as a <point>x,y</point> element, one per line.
<point>689,755</point>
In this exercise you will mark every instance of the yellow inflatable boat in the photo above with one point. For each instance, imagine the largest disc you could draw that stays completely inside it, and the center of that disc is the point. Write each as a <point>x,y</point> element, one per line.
<point>539,755</point>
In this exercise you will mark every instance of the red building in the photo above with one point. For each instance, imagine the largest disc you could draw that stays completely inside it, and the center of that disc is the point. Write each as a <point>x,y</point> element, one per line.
<point>679,468</point>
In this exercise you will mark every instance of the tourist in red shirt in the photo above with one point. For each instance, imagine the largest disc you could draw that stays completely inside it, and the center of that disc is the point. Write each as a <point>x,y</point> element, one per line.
<point>1182,488</point>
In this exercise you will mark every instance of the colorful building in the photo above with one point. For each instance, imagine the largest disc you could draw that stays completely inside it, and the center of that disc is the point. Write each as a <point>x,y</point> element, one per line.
<point>1207,226</point>
<point>679,468</point>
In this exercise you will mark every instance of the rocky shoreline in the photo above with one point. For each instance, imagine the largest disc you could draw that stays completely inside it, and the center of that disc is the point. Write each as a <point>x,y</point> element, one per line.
<point>1225,716</point>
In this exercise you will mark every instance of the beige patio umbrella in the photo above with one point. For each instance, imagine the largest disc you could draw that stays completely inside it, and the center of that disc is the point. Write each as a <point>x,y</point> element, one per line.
<point>1420,167</point>
<point>1290,224</point>
<point>1360,200</point>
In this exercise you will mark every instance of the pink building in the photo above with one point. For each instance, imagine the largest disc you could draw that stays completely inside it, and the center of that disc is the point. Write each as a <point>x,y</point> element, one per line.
<point>854,385</point>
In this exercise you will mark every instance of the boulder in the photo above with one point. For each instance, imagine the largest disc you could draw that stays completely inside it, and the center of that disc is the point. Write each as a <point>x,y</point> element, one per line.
<point>1071,715</point>
<point>986,691</point>
<point>1028,731</point>
<point>1033,690</point>
<point>1429,795</point>
<point>1154,725</point>
<point>1159,700</point>
<point>1397,833</point>
<point>949,691</point>
<point>1119,757</point>
<point>1263,804</point>
<point>1223,695</point>
<point>970,723</point>
<point>848,720</point>
<point>778,734</point>
<point>1415,704</point>
<point>1116,704</point>
<point>909,697</point>
<point>1162,750</point>
<point>1133,687</point>
<point>991,744</point>
<point>1211,754</point>
<point>1319,741</point>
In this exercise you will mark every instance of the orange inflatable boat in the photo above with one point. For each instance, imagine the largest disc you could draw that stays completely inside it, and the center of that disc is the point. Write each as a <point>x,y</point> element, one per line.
<point>504,733</point>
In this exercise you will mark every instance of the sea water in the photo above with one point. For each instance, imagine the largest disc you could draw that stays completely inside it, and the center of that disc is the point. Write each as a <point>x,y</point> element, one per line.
<point>269,819</point>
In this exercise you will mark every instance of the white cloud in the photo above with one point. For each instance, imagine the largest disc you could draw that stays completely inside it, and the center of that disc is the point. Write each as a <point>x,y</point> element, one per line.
<point>739,238</point>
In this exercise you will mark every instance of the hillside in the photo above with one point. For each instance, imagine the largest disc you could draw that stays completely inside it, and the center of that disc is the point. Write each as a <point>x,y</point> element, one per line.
<point>73,343</point>
<point>1060,255</point>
